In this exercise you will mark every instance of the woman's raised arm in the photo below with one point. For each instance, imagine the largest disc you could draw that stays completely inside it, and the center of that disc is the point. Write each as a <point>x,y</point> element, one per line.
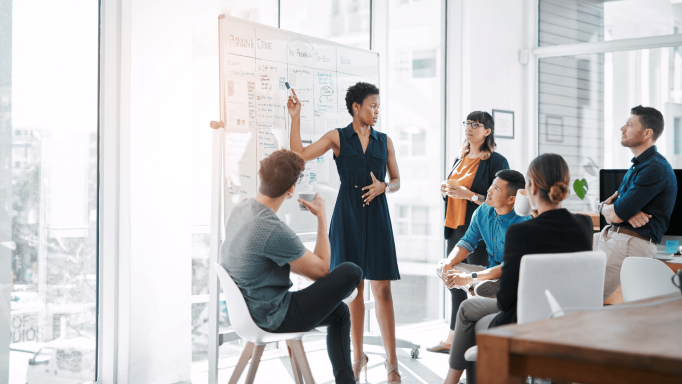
<point>329,141</point>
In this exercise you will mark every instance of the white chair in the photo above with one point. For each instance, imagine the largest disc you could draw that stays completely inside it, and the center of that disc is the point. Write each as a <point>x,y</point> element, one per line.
<point>554,304</point>
<point>642,278</point>
<point>577,280</point>
<point>256,338</point>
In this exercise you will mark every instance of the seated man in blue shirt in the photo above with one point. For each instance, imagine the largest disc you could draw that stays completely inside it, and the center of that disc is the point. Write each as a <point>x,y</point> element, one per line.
<point>639,212</point>
<point>488,223</point>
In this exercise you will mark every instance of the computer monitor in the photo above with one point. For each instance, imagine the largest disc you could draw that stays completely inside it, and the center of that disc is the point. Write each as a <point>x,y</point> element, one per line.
<point>610,180</point>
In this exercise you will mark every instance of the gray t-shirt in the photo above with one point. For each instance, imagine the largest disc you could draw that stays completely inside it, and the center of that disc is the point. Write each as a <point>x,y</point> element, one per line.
<point>257,250</point>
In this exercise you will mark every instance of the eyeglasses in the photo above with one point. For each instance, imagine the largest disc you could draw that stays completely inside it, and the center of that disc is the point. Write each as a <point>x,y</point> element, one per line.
<point>473,125</point>
<point>300,178</point>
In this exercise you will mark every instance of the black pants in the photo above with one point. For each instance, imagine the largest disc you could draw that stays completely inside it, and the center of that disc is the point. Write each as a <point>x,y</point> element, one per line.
<point>320,304</point>
<point>478,257</point>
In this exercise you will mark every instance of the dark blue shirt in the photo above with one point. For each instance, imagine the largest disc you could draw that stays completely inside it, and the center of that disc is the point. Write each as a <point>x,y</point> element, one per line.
<point>490,227</point>
<point>649,186</point>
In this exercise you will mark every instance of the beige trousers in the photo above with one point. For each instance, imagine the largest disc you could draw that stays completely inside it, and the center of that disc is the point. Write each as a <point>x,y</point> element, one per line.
<point>464,267</point>
<point>617,247</point>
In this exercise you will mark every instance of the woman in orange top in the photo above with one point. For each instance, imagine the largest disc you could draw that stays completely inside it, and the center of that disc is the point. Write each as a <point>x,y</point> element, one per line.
<point>474,171</point>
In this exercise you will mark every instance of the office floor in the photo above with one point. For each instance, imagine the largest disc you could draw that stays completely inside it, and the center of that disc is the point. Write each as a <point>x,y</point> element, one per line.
<point>427,368</point>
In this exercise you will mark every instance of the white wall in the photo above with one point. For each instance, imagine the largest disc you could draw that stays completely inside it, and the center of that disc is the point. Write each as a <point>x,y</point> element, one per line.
<point>492,33</point>
<point>154,238</point>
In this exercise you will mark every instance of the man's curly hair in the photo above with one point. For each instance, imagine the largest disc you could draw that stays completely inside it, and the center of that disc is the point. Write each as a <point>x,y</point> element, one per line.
<point>358,93</point>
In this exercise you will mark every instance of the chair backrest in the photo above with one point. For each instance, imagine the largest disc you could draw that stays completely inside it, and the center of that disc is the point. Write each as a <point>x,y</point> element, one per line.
<point>576,280</point>
<point>240,317</point>
<point>554,304</point>
<point>642,277</point>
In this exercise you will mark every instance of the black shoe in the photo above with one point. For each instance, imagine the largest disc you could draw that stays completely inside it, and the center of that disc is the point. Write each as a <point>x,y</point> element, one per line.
<point>487,288</point>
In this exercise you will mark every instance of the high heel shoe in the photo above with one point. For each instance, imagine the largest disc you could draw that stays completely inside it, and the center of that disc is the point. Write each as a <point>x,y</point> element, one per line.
<point>392,368</point>
<point>359,364</point>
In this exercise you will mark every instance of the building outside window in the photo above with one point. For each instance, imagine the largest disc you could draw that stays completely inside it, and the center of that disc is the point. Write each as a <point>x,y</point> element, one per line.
<point>48,227</point>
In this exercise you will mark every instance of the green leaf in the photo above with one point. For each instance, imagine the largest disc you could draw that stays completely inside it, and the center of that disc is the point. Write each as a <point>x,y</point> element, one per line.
<point>580,187</point>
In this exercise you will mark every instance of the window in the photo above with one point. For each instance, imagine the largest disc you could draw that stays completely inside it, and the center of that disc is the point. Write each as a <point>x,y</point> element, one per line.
<point>424,64</point>
<point>411,142</point>
<point>413,220</point>
<point>49,135</point>
<point>411,97</point>
<point>571,118</point>
<point>412,108</point>
<point>677,125</point>
<point>205,107</point>
<point>403,65</point>
<point>419,143</point>
<point>584,99</point>
<point>341,21</point>
<point>583,21</point>
<point>420,221</point>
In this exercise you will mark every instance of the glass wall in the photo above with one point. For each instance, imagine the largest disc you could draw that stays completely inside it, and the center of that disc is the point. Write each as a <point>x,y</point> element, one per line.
<point>412,112</point>
<point>205,107</point>
<point>411,104</point>
<point>584,100</point>
<point>583,21</point>
<point>571,119</point>
<point>342,21</point>
<point>48,189</point>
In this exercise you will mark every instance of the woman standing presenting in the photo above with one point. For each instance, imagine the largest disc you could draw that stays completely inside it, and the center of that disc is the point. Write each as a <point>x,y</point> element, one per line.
<point>360,230</point>
<point>474,170</point>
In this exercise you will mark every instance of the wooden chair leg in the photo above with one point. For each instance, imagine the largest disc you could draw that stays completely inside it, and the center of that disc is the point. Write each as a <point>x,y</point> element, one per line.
<point>241,364</point>
<point>255,360</point>
<point>302,360</point>
<point>294,365</point>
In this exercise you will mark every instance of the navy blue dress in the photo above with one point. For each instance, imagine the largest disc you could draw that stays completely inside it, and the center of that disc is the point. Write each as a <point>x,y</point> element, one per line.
<point>359,233</point>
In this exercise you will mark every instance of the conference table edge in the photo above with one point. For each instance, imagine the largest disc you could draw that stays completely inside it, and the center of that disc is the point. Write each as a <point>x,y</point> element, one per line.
<point>500,346</point>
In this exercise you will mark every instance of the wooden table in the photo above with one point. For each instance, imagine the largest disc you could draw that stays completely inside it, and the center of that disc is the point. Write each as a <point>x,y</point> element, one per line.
<point>674,266</point>
<point>638,342</point>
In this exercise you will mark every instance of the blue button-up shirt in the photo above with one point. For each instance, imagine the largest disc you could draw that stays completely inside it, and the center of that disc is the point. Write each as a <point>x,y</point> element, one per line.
<point>490,227</point>
<point>649,186</point>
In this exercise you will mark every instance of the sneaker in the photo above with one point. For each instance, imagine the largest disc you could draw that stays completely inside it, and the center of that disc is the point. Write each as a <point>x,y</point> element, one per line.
<point>487,288</point>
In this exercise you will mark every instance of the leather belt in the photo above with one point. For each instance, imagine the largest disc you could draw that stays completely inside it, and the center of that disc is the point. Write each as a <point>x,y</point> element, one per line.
<point>619,229</point>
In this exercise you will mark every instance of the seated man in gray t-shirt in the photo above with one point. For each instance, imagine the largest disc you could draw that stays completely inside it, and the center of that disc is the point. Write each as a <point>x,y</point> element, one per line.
<point>260,250</point>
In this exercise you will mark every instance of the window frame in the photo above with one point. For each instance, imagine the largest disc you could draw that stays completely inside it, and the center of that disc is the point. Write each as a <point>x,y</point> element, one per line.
<point>536,53</point>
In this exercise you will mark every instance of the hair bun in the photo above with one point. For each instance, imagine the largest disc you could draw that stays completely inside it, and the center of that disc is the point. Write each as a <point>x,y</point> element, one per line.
<point>558,192</point>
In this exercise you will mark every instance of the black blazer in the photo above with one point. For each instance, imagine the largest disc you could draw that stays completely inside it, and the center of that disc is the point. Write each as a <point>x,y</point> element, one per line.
<point>485,174</point>
<point>555,231</point>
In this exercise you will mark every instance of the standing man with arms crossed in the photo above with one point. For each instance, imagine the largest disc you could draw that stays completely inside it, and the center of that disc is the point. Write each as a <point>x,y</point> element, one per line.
<point>639,212</point>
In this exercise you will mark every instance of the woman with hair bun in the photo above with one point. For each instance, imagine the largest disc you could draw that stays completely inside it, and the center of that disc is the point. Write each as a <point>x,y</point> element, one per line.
<point>554,230</point>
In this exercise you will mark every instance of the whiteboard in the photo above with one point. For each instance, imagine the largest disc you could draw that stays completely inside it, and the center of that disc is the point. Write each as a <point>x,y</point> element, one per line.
<point>255,62</point>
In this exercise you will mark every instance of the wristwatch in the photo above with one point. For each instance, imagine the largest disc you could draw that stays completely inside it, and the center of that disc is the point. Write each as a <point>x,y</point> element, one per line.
<point>387,187</point>
<point>474,276</point>
<point>474,198</point>
<point>599,206</point>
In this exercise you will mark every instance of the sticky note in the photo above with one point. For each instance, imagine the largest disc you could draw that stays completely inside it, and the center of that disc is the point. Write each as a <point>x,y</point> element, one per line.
<point>282,83</point>
<point>671,246</point>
